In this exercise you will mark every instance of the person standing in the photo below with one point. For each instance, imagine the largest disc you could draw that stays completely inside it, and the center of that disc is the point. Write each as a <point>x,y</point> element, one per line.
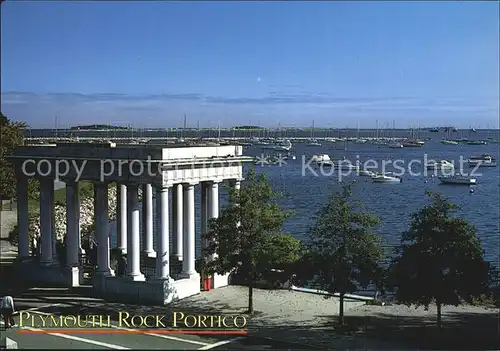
<point>8,311</point>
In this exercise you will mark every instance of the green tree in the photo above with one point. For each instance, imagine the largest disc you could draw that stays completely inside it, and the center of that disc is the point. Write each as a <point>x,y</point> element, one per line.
<point>343,253</point>
<point>237,238</point>
<point>278,256</point>
<point>440,259</point>
<point>12,136</point>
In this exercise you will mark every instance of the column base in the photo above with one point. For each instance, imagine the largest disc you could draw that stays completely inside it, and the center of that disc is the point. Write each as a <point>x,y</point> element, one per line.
<point>74,276</point>
<point>122,250</point>
<point>136,278</point>
<point>151,254</point>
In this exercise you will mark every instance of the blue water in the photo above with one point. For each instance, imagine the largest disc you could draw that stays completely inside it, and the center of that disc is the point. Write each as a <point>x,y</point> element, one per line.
<point>392,203</point>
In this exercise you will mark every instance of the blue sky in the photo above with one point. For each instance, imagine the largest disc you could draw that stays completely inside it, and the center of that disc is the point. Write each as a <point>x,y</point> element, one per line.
<point>339,64</point>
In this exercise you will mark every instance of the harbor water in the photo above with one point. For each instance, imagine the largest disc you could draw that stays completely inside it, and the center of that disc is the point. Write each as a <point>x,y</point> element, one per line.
<point>305,193</point>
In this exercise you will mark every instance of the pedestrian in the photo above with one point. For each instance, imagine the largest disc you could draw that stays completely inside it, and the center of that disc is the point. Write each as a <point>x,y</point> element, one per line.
<point>8,311</point>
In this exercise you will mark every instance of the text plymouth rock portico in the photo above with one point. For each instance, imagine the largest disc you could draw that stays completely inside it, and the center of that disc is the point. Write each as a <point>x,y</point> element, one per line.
<point>154,170</point>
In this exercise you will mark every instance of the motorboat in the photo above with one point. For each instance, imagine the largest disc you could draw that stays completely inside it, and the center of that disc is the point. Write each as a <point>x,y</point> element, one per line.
<point>449,142</point>
<point>458,179</point>
<point>413,143</point>
<point>486,162</point>
<point>278,145</point>
<point>365,173</point>
<point>386,178</point>
<point>483,157</point>
<point>323,160</point>
<point>477,142</point>
<point>395,145</point>
<point>313,142</point>
<point>439,165</point>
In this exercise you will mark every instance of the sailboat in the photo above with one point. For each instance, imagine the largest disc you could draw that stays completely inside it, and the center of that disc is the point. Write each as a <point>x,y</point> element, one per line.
<point>313,141</point>
<point>215,143</point>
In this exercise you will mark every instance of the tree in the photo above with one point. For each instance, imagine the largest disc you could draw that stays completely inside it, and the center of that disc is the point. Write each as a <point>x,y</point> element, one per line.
<point>11,136</point>
<point>440,259</point>
<point>277,257</point>
<point>343,252</point>
<point>237,238</point>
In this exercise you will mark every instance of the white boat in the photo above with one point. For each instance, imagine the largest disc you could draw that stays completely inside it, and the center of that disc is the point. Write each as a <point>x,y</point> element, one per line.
<point>484,157</point>
<point>477,142</point>
<point>386,178</point>
<point>365,173</point>
<point>482,163</point>
<point>449,142</point>
<point>458,179</point>
<point>278,145</point>
<point>323,160</point>
<point>313,142</point>
<point>395,145</point>
<point>439,165</point>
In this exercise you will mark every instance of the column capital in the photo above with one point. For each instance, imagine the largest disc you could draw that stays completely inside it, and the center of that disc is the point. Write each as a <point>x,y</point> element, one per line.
<point>162,187</point>
<point>188,184</point>
<point>215,181</point>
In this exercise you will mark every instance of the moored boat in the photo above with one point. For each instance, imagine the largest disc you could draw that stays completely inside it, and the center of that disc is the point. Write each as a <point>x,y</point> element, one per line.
<point>486,162</point>
<point>323,160</point>
<point>449,142</point>
<point>365,173</point>
<point>386,178</point>
<point>458,179</point>
<point>439,165</point>
<point>477,142</point>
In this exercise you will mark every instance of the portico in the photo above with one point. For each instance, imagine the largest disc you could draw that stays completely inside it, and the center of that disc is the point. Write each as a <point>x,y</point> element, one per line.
<point>153,170</point>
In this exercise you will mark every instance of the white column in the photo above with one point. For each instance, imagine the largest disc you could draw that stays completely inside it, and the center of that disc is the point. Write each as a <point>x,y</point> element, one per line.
<point>53,222</point>
<point>121,217</point>
<point>72,224</point>
<point>22,216</point>
<point>188,263</point>
<point>177,219</point>
<point>147,220</point>
<point>203,214</point>
<point>237,184</point>
<point>213,201</point>
<point>213,206</point>
<point>102,229</point>
<point>162,244</point>
<point>133,239</point>
<point>46,205</point>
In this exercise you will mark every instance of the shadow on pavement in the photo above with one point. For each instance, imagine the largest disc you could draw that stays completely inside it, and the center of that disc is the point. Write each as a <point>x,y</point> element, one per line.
<point>460,330</point>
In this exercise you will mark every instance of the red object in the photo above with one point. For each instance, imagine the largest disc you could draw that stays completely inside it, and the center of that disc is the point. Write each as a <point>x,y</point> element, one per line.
<point>207,283</point>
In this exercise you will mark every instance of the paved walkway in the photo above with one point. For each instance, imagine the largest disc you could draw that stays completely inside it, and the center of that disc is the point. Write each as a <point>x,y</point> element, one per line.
<point>30,302</point>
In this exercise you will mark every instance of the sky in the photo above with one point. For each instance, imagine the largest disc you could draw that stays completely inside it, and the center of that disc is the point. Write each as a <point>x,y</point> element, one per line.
<point>337,64</point>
